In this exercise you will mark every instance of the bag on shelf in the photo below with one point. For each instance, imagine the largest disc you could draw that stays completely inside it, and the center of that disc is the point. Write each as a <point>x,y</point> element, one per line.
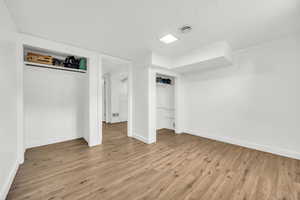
<point>57,62</point>
<point>71,62</point>
<point>82,63</point>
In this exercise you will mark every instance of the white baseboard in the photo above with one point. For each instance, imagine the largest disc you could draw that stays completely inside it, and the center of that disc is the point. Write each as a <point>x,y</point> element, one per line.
<point>177,131</point>
<point>117,121</point>
<point>142,138</point>
<point>5,189</point>
<point>259,147</point>
<point>51,141</point>
<point>94,143</point>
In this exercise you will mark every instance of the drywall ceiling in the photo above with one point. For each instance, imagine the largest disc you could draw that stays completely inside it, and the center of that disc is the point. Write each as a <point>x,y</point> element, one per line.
<point>127,28</point>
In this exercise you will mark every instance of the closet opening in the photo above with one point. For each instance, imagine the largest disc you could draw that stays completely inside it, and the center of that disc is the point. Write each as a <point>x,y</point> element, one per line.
<point>165,106</point>
<point>115,99</point>
<point>55,95</point>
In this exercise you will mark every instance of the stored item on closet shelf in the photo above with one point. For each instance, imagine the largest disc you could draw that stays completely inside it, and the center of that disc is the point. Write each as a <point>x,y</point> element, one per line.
<point>167,81</point>
<point>159,79</point>
<point>71,62</point>
<point>57,62</point>
<point>82,63</point>
<point>39,58</point>
<point>163,80</point>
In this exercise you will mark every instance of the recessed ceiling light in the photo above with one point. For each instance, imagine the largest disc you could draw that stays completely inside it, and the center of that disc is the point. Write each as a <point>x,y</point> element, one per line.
<point>168,39</point>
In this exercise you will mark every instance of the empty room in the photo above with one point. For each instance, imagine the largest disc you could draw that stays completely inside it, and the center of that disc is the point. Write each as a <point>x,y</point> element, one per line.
<point>150,100</point>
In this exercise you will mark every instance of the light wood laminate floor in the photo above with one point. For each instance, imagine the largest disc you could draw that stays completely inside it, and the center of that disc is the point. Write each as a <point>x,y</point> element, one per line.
<point>176,167</point>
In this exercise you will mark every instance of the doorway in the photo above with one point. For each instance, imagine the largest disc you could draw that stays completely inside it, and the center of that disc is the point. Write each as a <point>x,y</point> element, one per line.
<point>116,99</point>
<point>164,103</point>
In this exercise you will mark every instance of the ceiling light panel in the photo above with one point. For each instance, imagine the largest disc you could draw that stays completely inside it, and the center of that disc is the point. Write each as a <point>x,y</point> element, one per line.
<point>167,39</point>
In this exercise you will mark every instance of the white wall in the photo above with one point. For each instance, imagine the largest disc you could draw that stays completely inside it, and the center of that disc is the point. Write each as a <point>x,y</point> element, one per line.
<point>55,105</point>
<point>8,101</point>
<point>103,100</point>
<point>119,97</point>
<point>140,100</point>
<point>107,108</point>
<point>254,103</point>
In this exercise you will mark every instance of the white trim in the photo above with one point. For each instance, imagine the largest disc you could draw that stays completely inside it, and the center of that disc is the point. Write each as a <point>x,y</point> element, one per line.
<point>20,100</point>
<point>9,181</point>
<point>178,104</point>
<point>152,104</point>
<point>106,78</point>
<point>130,102</point>
<point>53,141</point>
<point>32,64</point>
<point>259,147</point>
<point>98,137</point>
<point>142,138</point>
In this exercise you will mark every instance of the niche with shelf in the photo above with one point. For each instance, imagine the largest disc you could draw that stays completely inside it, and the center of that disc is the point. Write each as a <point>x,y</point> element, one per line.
<point>165,105</point>
<point>164,80</point>
<point>37,57</point>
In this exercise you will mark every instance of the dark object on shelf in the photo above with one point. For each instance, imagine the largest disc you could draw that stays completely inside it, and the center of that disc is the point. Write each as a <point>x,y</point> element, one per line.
<point>71,62</point>
<point>159,79</point>
<point>167,81</point>
<point>163,80</point>
<point>57,62</point>
<point>82,63</point>
<point>38,58</point>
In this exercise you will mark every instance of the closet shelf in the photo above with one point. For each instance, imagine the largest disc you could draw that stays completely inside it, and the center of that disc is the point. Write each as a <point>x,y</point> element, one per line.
<point>165,108</point>
<point>54,67</point>
<point>163,84</point>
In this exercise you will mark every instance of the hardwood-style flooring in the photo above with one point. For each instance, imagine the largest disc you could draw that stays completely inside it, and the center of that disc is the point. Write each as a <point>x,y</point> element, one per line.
<point>177,167</point>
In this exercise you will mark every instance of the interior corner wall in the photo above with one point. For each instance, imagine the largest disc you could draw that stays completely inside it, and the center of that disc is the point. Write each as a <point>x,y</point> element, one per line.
<point>55,105</point>
<point>254,103</point>
<point>8,101</point>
